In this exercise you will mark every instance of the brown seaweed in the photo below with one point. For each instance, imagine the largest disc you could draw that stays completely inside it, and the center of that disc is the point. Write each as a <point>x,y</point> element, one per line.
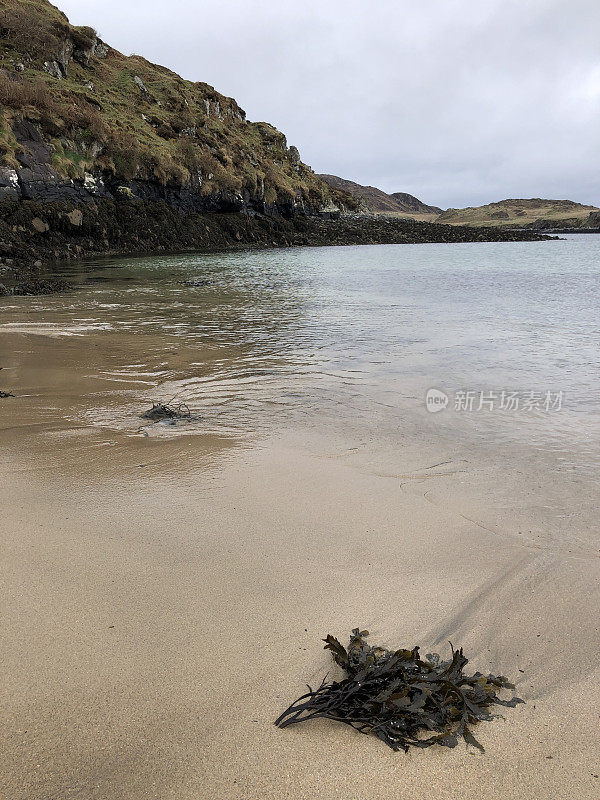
<point>164,411</point>
<point>401,698</point>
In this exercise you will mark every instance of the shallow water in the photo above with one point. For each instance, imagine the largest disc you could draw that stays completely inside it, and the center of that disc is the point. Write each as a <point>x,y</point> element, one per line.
<point>346,336</point>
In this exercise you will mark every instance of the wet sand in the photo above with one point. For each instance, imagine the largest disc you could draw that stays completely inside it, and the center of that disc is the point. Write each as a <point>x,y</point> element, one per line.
<point>156,623</point>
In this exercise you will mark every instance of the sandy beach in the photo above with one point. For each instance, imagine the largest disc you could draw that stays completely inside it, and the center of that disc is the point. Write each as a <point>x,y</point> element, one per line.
<point>154,628</point>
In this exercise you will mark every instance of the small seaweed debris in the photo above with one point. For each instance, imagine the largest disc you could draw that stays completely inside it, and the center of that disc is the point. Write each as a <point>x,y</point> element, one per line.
<point>162,411</point>
<point>400,697</point>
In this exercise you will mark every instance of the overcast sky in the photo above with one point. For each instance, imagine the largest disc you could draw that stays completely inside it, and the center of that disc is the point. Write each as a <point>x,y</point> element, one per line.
<point>460,102</point>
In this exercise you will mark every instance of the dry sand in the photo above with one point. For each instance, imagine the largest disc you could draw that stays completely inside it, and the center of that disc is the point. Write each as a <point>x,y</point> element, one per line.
<point>157,619</point>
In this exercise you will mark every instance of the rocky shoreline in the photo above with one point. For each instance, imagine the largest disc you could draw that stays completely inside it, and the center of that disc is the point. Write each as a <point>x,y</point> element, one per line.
<point>34,236</point>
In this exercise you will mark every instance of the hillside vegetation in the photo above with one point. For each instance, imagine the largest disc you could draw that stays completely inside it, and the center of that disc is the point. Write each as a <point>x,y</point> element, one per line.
<point>534,212</point>
<point>95,115</point>
<point>376,201</point>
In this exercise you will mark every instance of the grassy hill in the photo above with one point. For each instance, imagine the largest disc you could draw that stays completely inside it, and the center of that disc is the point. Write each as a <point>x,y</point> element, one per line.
<point>376,201</point>
<point>411,204</point>
<point>521,213</point>
<point>82,111</point>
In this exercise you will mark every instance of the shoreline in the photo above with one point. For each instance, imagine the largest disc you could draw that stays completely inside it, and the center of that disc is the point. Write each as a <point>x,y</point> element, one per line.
<point>34,236</point>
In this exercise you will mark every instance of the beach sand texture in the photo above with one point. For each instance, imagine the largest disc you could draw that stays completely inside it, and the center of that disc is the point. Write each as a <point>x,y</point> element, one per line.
<point>155,625</point>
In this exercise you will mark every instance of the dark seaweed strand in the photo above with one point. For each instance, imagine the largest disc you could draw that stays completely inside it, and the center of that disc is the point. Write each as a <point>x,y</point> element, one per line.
<point>160,411</point>
<point>401,698</point>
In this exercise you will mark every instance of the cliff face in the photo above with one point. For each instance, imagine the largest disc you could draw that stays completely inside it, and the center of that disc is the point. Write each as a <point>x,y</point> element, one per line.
<point>80,121</point>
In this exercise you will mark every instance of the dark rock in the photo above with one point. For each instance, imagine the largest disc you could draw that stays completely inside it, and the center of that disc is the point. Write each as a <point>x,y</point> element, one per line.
<point>195,282</point>
<point>40,286</point>
<point>36,178</point>
<point>85,45</point>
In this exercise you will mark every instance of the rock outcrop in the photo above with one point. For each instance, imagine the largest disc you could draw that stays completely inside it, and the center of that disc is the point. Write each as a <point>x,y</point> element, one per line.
<point>412,205</point>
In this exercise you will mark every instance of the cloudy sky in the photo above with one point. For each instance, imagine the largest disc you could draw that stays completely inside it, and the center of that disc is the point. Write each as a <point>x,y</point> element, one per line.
<point>460,102</point>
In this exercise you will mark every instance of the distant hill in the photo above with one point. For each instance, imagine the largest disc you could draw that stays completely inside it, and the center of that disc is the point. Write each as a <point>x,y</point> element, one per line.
<point>534,212</point>
<point>410,204</point>
<point>379,202</point>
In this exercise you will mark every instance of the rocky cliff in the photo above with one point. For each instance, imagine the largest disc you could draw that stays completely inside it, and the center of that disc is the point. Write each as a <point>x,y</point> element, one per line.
<point>80,121</point>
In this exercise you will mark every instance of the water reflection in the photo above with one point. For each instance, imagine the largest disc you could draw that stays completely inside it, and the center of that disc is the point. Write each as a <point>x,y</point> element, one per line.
<point>340,337</point>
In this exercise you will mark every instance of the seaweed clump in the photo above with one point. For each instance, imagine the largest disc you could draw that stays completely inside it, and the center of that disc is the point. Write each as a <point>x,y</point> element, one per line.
<point>162,411</point>
<point>401,698</point>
